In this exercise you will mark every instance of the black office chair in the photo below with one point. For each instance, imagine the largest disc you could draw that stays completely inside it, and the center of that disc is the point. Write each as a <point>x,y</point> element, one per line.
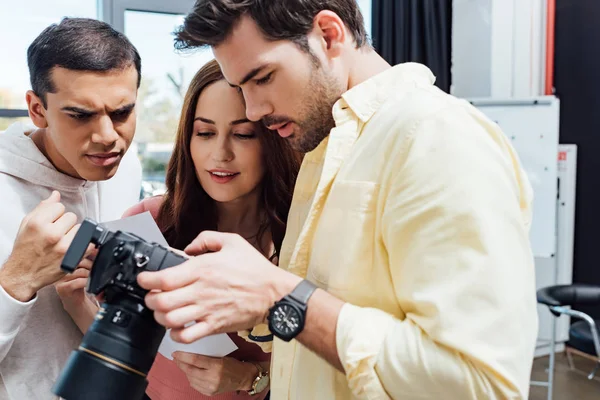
<point>583,334</point>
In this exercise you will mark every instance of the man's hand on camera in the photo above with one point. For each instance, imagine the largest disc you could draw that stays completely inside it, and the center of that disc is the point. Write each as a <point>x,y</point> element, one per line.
<point>42,241</point>
<point>71,290</point>
<point>229,286</point>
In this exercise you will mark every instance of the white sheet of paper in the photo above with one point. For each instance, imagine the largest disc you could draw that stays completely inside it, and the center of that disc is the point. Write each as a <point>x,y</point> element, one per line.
<point>212,346</point>
<point>142,225</point>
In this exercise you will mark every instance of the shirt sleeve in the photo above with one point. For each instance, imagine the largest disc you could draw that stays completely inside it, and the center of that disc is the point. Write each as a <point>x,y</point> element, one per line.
<point>454,225</point>
<point>12,314</point>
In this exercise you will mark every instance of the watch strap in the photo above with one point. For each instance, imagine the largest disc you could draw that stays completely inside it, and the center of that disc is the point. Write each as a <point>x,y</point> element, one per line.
<point>261,339</point>
<point>303,291</point>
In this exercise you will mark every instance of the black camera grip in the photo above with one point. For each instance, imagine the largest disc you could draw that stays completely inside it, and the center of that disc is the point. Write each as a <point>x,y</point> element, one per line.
<point>86,234</point>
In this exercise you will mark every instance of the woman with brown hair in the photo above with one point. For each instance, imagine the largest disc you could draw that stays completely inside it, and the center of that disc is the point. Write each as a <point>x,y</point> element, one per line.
<point>231,175</point>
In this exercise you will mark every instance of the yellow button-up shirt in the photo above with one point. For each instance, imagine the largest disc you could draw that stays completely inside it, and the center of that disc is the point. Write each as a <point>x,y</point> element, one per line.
<point>415,211</point>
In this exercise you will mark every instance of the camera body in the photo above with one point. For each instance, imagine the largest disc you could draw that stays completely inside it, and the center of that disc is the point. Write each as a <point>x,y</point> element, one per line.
<point>119,347</point>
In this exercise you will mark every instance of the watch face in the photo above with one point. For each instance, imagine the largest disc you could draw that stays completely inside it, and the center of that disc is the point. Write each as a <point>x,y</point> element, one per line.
<point>286,319</point>
<point>262,384</point>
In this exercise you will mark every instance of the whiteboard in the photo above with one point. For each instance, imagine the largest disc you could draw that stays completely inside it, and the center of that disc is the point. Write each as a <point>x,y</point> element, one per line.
<point>532,125</point>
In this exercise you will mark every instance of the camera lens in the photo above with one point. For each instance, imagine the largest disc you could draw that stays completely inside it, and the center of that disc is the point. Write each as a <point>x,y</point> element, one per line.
<point>87,376</point>
<point>115,355</point>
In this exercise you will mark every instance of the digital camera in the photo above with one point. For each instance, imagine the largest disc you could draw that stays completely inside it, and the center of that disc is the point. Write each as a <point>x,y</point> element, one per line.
<point>119,347</point>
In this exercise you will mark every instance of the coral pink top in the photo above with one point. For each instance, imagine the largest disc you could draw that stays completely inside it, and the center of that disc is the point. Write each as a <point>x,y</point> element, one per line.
<point>166,380</point>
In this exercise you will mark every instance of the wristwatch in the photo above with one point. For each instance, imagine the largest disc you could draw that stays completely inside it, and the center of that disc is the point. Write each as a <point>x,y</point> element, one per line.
<point>261,382</point>
<point>286,318</point>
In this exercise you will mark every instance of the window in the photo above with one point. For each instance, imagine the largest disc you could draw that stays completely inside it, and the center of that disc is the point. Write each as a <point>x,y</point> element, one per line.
<point>166,75</point>
<point>5,122</point>
<point>366,7</point>
<point>20,23</point>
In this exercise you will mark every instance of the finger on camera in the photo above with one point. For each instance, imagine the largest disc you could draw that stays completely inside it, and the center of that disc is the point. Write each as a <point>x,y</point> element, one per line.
<point>171,300</point>
<point>78,273</point>
<point>85,264</point>
<point>81,272</point>
<point>91,252</point>
<point>169,279</point>
<point>180,317</point>
<point>64,288</point>
<point>77,283</point>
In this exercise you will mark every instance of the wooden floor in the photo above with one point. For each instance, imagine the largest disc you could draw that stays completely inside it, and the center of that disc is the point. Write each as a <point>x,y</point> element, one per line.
<point>568,384</point>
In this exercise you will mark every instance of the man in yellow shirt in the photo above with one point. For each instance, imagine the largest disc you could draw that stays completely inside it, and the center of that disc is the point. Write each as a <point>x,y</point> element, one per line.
<point>406,270</point>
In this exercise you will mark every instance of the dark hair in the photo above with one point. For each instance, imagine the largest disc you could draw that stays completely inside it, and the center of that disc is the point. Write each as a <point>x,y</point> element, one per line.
<point>80,44</point>
<point>211,21</point>
<point>188,210</point>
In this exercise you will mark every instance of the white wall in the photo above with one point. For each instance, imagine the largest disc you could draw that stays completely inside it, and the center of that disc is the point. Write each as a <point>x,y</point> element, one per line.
<point>498,48</point>
<point>471,50</point>
<point>499,52</point>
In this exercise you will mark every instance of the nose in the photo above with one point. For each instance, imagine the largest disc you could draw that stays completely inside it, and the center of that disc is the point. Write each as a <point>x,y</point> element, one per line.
<point>223,152</point>
<point>105,133</point>
<point>256,108</point>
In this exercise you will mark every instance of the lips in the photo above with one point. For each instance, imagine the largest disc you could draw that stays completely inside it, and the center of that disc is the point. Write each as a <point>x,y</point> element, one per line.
<point>104,159</point>
<point>222,176</point>
<point>278,126</point>
<point>285,130</point>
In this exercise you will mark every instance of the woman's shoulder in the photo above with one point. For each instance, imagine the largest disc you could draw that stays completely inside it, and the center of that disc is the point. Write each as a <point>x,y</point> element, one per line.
<point>151,204</point>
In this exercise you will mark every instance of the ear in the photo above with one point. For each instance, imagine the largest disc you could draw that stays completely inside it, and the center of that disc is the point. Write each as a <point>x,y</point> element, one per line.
<point>37,111</point>
<point>332,31</point>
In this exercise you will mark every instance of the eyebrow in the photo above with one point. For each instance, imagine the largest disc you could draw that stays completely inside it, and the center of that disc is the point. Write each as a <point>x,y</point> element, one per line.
<point>127,107</point>
<point>250,75</point>
<point>210,121</point>
<point>79,110</point>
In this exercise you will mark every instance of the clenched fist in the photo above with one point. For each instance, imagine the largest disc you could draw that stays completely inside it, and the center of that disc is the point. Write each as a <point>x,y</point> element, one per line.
<point>42,241</point>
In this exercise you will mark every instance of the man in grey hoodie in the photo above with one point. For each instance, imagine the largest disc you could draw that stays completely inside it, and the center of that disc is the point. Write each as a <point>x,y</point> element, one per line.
<point>85,77</point>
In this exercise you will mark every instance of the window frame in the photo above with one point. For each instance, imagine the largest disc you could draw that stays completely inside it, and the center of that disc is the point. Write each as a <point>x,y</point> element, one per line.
<point>113,12</point>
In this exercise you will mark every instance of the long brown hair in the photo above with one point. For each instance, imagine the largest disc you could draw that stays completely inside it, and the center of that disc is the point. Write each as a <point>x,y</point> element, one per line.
<point>188,210</point>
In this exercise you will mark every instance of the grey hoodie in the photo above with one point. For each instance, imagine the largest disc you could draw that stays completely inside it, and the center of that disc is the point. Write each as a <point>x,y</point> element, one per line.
<point>37,337</point>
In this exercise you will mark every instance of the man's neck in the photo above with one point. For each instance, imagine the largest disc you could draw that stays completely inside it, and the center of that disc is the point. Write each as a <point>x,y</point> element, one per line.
<point>366,63</point>
<point>46,147</point>
<point>241,216</point>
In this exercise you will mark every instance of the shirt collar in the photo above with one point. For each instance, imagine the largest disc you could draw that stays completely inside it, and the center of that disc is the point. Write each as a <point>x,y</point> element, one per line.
<point>367,97</point>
